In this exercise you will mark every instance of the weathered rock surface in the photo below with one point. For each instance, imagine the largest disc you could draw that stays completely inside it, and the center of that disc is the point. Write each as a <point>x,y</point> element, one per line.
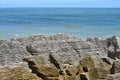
<point>16,73</point>
<point>115,67</point>
<point>1,41</point>
<point>42,66</point>
<point>42,37</point>
<point>93,67</point>
<point>114,77</point>
<point>11,53</point>
<point>114,47</point>
<point>63,57</point>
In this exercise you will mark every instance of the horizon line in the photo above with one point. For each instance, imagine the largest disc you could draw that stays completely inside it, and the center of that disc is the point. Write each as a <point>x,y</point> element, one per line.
<point>60,7</point>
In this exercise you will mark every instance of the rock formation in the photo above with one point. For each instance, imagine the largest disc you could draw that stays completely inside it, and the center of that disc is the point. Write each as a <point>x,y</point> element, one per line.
<point>16,73</point>
<point>60,57</point>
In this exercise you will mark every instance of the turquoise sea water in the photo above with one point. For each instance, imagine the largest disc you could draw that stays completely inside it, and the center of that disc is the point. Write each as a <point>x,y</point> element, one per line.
<point>80,22</point>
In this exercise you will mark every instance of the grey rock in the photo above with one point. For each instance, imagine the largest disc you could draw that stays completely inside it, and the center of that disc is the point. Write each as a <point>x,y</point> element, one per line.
<point>108,60</point>
<point>2,41</point>
<point>114,47</point>
<point>26,40</point>
<point>62,51</point>
<point>12,54</point>
<point>114,77</point>
<point>66,55</point>
<point>116,67</point>
<point>99,46</point>
<point>14,51</point>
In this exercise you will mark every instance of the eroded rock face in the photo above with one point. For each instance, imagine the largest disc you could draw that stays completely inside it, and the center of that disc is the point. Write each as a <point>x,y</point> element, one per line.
<point>1,41</point>
<point>42,37</point>
<point>114,77</point>
<point>63,57</point>
<point>115,67</point>
<point>42,66</point>
<point>99,46</point>
<point>114,47</point>
<point>16,73</point>
<point>11,53</point>
<point>93,67</point>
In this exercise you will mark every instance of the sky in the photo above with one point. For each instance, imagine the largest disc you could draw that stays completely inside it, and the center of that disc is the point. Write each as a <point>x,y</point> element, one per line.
<point>60,3</point>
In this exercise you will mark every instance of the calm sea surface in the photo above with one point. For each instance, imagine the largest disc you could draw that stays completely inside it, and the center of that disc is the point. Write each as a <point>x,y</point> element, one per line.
<point>80,22</point>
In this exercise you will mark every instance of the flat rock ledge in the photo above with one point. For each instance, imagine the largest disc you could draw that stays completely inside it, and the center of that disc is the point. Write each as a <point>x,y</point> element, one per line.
<point>60,57</point>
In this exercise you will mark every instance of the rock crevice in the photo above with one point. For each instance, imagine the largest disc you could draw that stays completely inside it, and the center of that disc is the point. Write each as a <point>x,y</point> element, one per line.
<point>62,57</point>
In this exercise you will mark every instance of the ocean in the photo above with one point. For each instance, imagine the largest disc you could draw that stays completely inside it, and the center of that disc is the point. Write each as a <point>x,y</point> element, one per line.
<point>79,22</point>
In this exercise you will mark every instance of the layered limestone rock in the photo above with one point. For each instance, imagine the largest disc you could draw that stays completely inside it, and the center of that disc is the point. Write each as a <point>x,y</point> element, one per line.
<point>114,77</point>
<point>42,66</point>
<point>99,46</point>
<point>115,67</point>
<point>42,37</point>
<point>12,53</point>
<point>50,69</point>
<point>93,67</point>
<point>114,47</point>
<point>16,73</point>
<point>63,57</point>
